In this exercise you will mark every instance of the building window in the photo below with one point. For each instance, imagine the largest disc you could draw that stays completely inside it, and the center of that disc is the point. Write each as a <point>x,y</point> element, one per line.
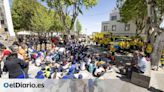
<point>113,18</point>
<point>113,27</point>
<point>6,30</point>
<point>127,27</point>
<point>2,22</point>
<point>105,28</point>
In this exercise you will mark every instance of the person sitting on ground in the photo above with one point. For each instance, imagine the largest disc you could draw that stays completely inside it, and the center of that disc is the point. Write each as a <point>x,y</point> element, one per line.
<point>112,58</point>
<point>100,62</point>
<point>39,60</point>
<point>82,65</point>
<point>47,70</point>
<point>140,67</point>
<point>40,75</point>
<point>65,64</point>
<point>72,68</point>
<point>98,71</point>
<point>57,75</point>
<point>142,63</point>
<point>91,67</point>
<point>3,55</point>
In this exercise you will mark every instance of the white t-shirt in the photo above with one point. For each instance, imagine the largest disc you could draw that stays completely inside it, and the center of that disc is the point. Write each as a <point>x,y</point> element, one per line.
<point>61,50</point>
<point>82,65</point>
<point>88,61</point>
<point>99,70</point>
<point>142,64</point>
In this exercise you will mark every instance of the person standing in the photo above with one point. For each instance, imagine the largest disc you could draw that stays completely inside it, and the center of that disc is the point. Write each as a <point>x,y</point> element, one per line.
<point>23,55</point>
<point>4,53</point>
<point>15,66</point>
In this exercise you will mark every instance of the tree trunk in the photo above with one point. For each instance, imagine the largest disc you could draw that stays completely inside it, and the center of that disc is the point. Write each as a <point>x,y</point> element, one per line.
<point>45,43</point>
<point>157,50</point>
<point>51,38</point>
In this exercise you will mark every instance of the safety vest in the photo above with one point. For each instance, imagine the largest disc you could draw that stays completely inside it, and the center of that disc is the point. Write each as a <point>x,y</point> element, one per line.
<point>112,49</point>
<point>140,44</point>
<point>149,48</point>
<point>47,72</point>
<point>127,45</point>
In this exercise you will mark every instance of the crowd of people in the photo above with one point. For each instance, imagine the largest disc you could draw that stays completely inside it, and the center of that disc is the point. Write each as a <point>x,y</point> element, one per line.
<point>62,62</point>
<point>57,62</point>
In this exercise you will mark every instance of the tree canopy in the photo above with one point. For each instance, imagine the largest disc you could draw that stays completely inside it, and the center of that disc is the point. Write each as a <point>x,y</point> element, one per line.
<point>42,20</point>
<point>22,12</point>
<point>151,12</point>
<point>71,8</point>
<point>135,11</point>
<point>32,15</point>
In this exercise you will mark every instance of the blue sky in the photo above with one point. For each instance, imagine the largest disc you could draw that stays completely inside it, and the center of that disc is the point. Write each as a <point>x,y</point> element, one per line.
<point>92,18</point>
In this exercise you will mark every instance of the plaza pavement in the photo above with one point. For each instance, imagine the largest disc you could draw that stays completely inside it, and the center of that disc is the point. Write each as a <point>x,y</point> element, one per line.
<point>112,81</point>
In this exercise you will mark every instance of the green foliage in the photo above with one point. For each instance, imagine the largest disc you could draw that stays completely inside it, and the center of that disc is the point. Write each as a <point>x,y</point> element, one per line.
<point>22,11</point>
<point>31,15</point>
<point>68,10</point>
<point>137,9</point>
<point>42,19</point>
<point>133,10</point>
<point>160,5</point>
<point>56,23</point>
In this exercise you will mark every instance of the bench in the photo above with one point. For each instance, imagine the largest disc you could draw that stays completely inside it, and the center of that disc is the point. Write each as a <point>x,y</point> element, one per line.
<point>142,80</point>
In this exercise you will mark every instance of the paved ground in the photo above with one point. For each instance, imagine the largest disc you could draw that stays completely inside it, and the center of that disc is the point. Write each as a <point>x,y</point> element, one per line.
<point>113,82</point>
<point>157,80</point>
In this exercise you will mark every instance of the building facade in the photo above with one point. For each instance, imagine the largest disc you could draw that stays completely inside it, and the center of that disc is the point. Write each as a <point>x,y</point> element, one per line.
<point>6,24</point>
<point>118,28</point>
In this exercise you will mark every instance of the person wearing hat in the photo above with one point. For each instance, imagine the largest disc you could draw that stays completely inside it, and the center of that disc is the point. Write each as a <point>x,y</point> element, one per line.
<point>5,52</point>
<point>15,66</point>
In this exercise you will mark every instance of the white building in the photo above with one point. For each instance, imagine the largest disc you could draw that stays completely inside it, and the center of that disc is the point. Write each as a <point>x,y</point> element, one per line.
<point>116,27</point>
<point>6,24</point>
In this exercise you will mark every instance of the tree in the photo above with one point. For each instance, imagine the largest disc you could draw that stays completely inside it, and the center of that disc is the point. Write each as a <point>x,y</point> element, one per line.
<point>69,10</point>
<point>135,11</point>
<point>22,11</point>
<point>79,27</point>
<point>152,12</point>
<point>42,20</point>
<point>56,23</point>
<point>155,11</point>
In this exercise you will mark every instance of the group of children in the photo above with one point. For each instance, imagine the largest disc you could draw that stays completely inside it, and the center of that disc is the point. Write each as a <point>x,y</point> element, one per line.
<point>67,62</point>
